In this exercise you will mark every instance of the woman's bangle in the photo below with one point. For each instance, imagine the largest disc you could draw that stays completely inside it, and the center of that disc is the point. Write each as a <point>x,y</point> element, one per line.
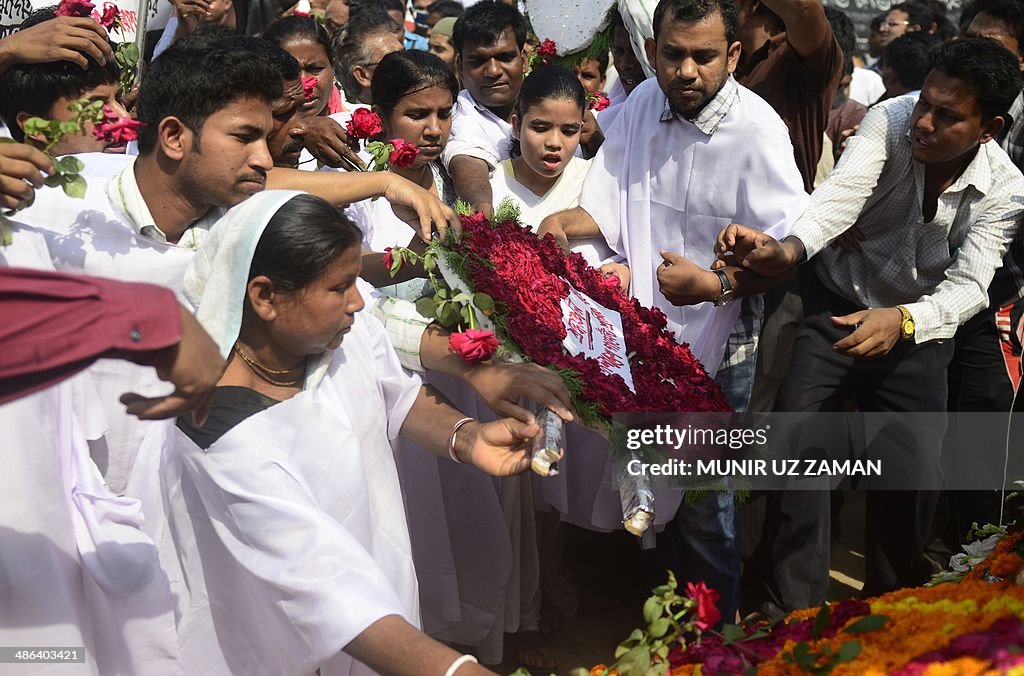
<point>451,453</point>
<point>462,659</point>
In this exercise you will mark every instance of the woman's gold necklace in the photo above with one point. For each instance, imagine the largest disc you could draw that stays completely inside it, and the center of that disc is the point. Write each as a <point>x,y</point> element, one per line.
<point>265,373</point>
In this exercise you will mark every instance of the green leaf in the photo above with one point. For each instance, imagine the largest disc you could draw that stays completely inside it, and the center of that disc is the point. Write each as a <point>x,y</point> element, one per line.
<point>637,659</point>
<point>67,127</point>
<point>69,164</point>
<point>467,314</point>
<point>821,621</point>
<point>866,624</point>
<point>659,627</point>
<point>662,652</point>
<point>848,652</point>
<point>652,609</point>
<point>733,632</point>
<point>74,186</point>
<point>36,125</point>
<point>425,306</point>
<point>484,302</point>
<point>53,180</point>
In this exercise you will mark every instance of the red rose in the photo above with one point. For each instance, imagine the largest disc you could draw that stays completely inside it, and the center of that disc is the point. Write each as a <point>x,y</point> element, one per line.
<point>309,87</point>
<point>74,8</point>
<point>364,124</point>
<point>598,102</point>
<point>388,259</point>
<point>114,129</point>
<point>708,614</point>
<point>547,48</point>
<point>473,345</point>
<point>111,18</point>
<point>404,153</point>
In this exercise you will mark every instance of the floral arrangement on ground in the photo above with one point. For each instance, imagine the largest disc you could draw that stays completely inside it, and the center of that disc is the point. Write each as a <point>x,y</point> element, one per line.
<point>501,274</point>
<point>969,627</point>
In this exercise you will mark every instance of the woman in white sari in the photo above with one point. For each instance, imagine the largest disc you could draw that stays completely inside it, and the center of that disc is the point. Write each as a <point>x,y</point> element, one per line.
<point>283,530</point>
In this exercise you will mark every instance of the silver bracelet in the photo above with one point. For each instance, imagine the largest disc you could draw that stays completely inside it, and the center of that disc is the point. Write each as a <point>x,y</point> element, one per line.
<point>463,659</point>
<point>451,441</point>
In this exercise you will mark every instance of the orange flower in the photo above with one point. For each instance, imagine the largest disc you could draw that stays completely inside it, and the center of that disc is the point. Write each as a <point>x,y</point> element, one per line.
<point>1006,565</point>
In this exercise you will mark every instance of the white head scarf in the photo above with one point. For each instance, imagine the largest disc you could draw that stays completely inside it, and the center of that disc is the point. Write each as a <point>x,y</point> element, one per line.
<point>638,18</point>
<point>216,280</point>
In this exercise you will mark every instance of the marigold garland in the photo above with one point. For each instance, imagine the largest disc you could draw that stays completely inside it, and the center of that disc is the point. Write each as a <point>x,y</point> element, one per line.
<point>928,631</point>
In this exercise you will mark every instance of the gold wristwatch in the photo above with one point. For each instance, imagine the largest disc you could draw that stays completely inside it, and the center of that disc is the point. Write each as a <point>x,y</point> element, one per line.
<point>906,323</point>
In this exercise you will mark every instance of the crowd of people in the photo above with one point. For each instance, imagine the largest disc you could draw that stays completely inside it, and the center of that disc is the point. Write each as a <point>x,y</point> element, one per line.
<point>233,445</point>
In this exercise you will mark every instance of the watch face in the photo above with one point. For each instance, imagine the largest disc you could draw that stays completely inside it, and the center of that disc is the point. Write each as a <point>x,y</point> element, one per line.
<point>908,327</point>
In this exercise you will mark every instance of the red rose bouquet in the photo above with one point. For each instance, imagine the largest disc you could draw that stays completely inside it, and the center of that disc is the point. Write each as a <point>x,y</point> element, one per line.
<point>366,125</point>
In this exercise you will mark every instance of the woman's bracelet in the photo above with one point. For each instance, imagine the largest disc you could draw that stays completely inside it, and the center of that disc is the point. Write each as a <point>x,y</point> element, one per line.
<point>463,659</point>
<point>451,454</point>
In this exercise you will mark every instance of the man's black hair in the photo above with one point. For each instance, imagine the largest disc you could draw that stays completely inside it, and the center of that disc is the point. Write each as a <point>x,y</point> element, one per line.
<point>446,8</point>
<point>483,23</point>
<point>983,65</point>
<point>693,11</point>
<point>907,55</point>
<point>918,13</point>
<point>1010,12</point>
<point>846,35</point>
<point>34,88</point>
<point>192,82</point>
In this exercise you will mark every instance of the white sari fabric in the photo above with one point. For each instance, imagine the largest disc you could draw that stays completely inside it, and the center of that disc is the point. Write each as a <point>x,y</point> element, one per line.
<point>473,536</point>
<point>286,538</point>
<point>76,569</point>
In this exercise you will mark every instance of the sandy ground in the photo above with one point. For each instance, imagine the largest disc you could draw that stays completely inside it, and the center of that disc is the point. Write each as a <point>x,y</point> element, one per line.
<point>614,578</point>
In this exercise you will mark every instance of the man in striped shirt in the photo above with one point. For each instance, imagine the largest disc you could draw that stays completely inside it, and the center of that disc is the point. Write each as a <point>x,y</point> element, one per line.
<point>936,206</point>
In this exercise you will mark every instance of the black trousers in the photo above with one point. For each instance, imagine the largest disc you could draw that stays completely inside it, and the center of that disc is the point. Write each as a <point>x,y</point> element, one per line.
<point>792,558</point>
<point>981,379</point>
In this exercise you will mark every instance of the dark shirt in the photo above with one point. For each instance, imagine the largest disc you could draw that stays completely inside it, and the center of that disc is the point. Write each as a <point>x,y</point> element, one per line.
<point>53,325</point>
<point>800,91</point>
<point>230,406</point>
<point>842,117</point>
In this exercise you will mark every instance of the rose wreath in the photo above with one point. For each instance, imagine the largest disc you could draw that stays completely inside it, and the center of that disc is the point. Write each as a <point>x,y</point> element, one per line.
<point>504,297</point>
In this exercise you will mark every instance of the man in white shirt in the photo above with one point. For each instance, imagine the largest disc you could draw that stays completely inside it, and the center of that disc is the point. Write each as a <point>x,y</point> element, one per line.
<point>206,110</point>
<point>936,207</point>
<point>690,150</point>
<point>489,40</point>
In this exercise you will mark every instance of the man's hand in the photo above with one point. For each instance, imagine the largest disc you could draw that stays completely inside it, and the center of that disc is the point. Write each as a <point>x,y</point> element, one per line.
<point>752,249</point>
<point>194,366</point>
<point>66,38</point>
<point>420,209</point>
<point>499,448</point>
<point>327,141</point>
<point>190,13</point>
<point>552,226</point>
<point>22,169</point>
<point>844,136</point>
<point>619,270</point>
<point>502,386</point>
<point>683,282</point>
<point>875,332</point>
<point>591,136</point>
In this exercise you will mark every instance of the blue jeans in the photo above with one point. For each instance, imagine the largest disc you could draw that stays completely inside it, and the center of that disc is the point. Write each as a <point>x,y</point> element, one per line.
<point>709,547</point>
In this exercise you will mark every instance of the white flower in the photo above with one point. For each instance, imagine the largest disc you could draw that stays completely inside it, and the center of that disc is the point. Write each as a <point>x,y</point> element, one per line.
<point>982,548</point>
